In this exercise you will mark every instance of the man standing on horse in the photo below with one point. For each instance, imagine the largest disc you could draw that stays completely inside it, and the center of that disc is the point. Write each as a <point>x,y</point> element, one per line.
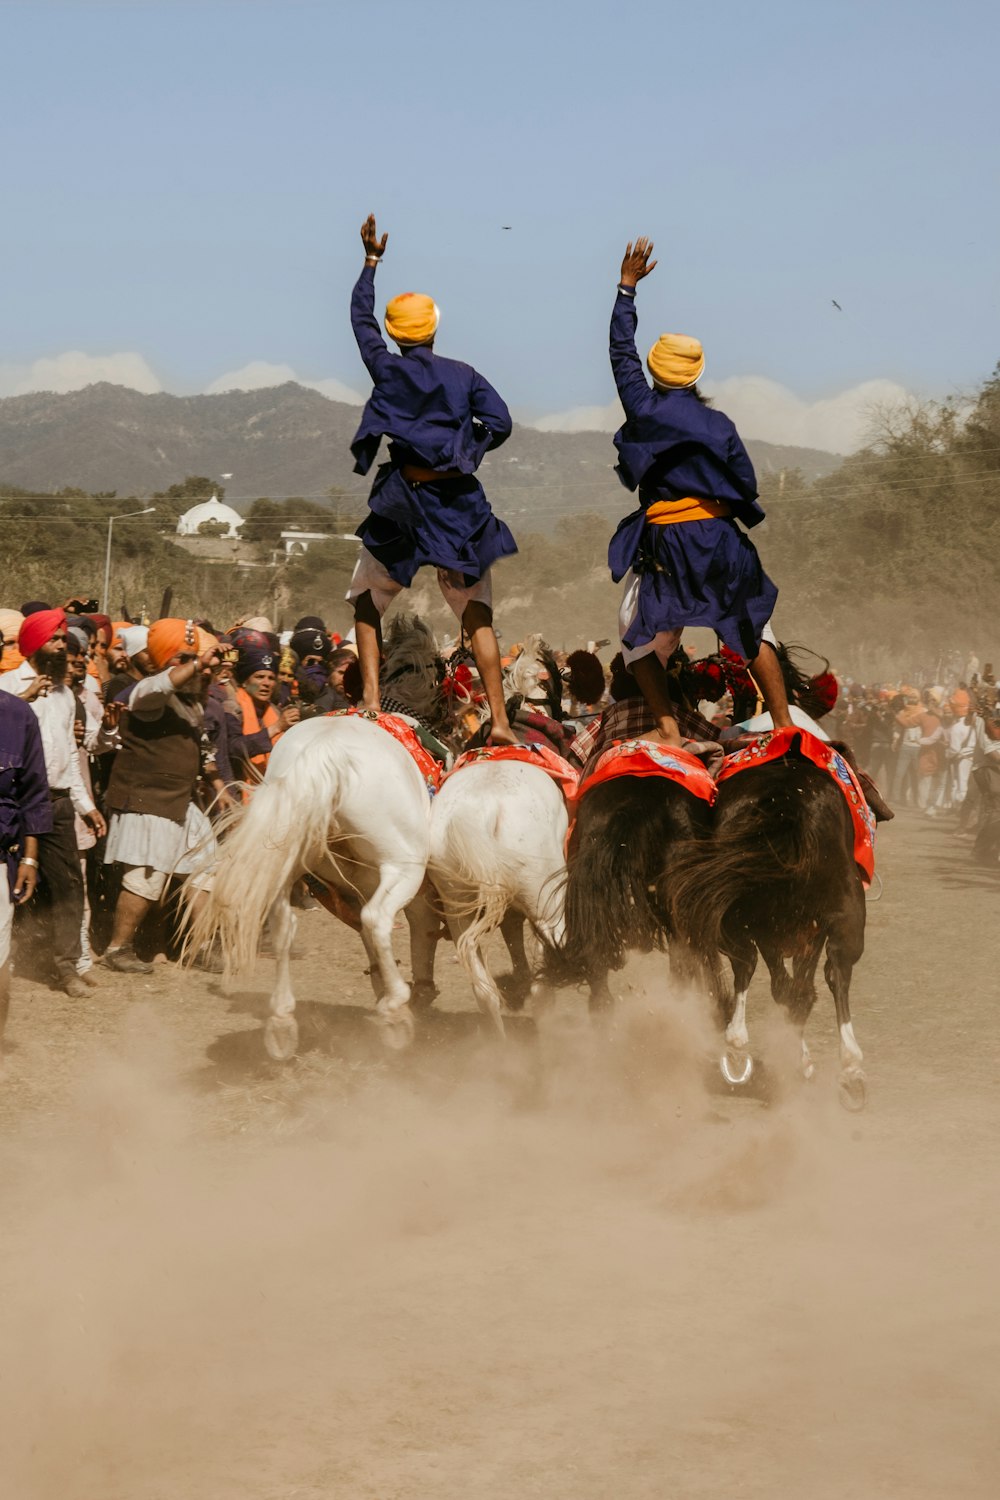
<point>441,417</point>
<point>682,556</point>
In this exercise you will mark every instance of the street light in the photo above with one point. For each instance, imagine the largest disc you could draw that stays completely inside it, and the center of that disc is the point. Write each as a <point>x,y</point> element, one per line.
<point>107,556</point>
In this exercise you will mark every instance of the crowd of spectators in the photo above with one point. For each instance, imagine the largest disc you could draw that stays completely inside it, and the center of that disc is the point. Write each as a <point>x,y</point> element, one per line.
<point>121,744</point>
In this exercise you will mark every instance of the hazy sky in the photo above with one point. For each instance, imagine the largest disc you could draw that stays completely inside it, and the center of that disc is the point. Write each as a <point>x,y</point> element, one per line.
<point>183,185</point>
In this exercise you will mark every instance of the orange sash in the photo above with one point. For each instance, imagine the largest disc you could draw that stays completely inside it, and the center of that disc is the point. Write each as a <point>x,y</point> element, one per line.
<point>252,722</point>
<point>669,512</point>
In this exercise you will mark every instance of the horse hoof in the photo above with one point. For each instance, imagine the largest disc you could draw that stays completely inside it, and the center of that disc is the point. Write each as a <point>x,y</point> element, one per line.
<point>853,1091</point>
<point>396,1028</point>
<point>281,1037</point>
<point>423,993</point>
<point>736,1067</point>
<point>514,991</point>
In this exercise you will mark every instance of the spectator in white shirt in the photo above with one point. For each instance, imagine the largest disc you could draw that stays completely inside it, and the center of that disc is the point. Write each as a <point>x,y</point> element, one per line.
<point>40,680</point>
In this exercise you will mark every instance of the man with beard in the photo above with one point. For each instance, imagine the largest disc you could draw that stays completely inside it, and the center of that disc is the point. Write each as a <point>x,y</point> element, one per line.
<point>41,681</point>
<point>157,828</point>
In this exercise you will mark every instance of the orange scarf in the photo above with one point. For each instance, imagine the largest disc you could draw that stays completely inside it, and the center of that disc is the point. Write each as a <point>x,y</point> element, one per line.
<point>252,722</point>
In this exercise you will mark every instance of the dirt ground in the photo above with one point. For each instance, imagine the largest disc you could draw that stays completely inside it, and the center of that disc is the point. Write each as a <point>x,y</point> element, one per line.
<point>573,1267</point>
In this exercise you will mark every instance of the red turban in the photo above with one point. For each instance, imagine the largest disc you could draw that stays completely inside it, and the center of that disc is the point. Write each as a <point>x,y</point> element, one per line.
<point>167,638</point>
<point>823,690</point>
<point>38,630</point>
<point>103,622</point>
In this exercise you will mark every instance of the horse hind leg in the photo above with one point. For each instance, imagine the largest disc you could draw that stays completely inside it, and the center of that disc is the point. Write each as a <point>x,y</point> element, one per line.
<point>515,986</point>
<point>470,952</point>
<point>397,887</point>
<point>424,921</point>
<point>844,949</point>
<point>803,998</point>
<point>281,1031</point>
<point>736,1062</point>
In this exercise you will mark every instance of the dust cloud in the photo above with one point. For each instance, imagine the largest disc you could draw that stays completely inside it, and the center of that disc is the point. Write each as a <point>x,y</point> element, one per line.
<point>575,1268</point>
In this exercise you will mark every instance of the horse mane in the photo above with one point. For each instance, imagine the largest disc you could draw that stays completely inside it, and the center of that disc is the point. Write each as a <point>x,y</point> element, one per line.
<point>413,669</point>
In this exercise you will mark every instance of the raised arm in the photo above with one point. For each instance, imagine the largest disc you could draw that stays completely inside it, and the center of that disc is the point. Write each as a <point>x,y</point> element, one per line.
<point>490,411</point>
<point>371,344</point>
<point>630,377</point>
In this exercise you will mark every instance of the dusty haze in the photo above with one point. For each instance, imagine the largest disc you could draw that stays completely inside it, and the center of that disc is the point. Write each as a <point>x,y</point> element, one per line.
<point>574,1269</point>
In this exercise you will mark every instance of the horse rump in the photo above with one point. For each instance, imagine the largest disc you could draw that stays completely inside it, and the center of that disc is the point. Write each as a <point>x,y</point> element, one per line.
<point>615,866</point>
<point>778,828</point>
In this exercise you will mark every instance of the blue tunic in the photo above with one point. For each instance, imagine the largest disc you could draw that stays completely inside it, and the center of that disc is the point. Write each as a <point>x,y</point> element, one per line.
<point>437,414</point>
<point>672,446</point>
<point>25,807</point>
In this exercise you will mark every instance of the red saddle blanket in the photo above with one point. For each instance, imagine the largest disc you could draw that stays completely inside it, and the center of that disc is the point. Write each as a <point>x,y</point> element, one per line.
<point>532,754</point>
<point>644,758</point>
<point>430,769</point>
<point>773,746</point>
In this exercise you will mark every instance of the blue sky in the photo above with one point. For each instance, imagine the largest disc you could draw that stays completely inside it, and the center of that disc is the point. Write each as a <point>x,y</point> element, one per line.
<point>184,182</point>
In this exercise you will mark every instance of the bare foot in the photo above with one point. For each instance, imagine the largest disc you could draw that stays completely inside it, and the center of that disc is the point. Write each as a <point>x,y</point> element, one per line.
<point>662,737</point>
<point>502,735</point>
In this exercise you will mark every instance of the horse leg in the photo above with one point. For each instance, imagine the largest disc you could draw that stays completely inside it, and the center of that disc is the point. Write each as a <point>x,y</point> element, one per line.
<point>471,954</point>
<point>736,1062</point>
<point>424,922</point>
<point>601,999</point>
<point>281,1031</point>
<point>396,888</point>
<point>803,996</point>
<point>844,948</point>
<point>516,986</point>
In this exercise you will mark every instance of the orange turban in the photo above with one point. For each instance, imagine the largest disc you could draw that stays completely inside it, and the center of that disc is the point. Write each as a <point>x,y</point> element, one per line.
<point>167,638</point>
<point>412,318</point>
<point>676,361</point>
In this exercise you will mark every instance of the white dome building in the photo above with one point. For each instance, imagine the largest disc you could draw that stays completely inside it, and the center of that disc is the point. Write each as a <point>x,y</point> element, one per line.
<point>210,510</point>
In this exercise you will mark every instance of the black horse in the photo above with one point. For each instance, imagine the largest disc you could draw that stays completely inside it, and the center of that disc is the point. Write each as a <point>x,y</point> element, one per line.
<point>619,873</point>
<point>779,878</point>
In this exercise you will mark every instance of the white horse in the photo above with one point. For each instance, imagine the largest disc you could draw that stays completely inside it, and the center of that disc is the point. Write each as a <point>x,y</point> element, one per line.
<point>498,831</point>
<point>341,800</point>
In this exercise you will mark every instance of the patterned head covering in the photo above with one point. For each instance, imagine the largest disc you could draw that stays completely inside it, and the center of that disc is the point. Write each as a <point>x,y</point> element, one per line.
<point>251,661</point>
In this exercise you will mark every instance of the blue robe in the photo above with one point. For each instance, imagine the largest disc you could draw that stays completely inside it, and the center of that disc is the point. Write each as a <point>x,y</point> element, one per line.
<point>672,446</point>
<point>25,806</point>
<point>437,414</point>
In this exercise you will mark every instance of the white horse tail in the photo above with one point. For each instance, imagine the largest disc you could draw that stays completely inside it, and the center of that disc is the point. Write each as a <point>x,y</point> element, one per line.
<point>282,833</point>
<point>475,859</point>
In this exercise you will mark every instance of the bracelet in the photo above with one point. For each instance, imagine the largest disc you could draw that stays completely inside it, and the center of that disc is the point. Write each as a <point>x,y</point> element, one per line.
<point>628,290</point>
<point>372,260</point>
<point>27,860</point>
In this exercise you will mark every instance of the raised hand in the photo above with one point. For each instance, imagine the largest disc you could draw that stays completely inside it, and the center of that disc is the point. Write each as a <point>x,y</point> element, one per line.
<point>374,246</point>
<point>636,263</point>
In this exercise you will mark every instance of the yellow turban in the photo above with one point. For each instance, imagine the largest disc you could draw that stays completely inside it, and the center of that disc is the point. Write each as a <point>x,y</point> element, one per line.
<point>411,318</point>
<point>676,361</point>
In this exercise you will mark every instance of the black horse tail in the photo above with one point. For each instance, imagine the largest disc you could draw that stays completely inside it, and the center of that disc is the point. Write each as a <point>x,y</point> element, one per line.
<point>615,861</point>
<point>767,839</point>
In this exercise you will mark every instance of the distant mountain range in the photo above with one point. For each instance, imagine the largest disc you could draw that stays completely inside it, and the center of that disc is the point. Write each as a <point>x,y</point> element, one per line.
<point>291,441</point>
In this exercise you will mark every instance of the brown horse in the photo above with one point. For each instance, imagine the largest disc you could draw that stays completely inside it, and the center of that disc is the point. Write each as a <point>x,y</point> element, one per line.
<point>778,877</point>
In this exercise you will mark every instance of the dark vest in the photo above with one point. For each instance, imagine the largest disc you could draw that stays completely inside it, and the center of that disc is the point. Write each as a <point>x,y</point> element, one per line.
<point>156,769</point>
